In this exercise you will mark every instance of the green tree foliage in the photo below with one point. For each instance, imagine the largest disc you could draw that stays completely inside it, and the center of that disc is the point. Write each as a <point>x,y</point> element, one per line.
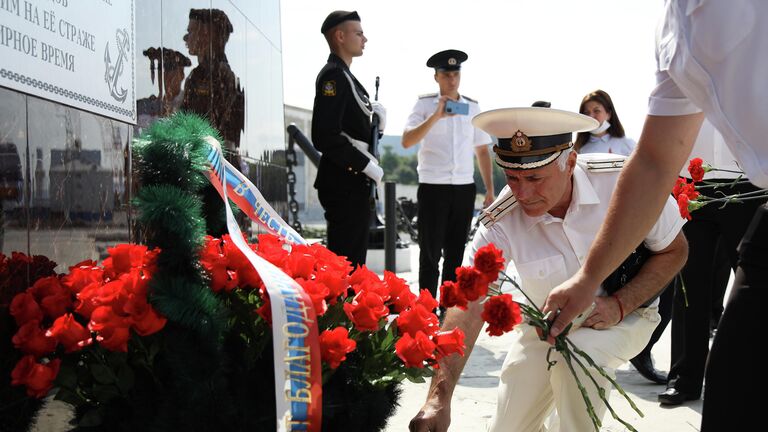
<point>499,179</point>
<point>397,168</point>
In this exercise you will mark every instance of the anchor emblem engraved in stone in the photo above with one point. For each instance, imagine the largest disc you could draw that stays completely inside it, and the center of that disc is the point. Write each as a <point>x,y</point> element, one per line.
<point>113,72</point>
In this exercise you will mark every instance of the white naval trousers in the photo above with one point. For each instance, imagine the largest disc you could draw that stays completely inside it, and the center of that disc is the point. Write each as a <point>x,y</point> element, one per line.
<point>528,391</point>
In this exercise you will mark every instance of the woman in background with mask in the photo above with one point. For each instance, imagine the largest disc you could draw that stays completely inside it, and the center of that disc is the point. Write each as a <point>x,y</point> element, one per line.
<point>609,136</point>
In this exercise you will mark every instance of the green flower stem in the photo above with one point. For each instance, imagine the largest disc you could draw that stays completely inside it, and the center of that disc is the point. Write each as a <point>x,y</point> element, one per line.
<point>709,168</point>
<point>706,184</point>
<point>601,390</point>
<point>566,347</point>
<point>590,408</point>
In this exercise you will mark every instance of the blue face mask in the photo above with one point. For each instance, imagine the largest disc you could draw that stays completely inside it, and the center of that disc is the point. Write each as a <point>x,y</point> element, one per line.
<point>600,129</point>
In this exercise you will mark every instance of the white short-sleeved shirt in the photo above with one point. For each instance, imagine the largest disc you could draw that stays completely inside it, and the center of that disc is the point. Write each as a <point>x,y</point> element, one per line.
<point>447,151</point>
<point>547,250</point>
<point>608,144</point>
<point>713,56</point>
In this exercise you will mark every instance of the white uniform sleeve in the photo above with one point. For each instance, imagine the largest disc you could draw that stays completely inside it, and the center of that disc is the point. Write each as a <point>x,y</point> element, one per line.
<point>667,99</point>
<point>666,228</point>
<point>416,117</point>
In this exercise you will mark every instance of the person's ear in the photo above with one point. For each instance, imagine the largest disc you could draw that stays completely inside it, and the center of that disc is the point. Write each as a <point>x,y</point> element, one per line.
<point>436,77</point>
<point>571,161</point>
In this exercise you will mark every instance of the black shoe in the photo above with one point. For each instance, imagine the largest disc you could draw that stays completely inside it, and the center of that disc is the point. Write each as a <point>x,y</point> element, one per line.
<point>672,396</point>
<point>644,364</point>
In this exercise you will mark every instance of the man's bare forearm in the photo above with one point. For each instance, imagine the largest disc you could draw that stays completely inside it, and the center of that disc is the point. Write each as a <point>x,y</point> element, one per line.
<point>412,137</point>
<point>445,378</point>
<point>643,187</point>
<point>657,272</point>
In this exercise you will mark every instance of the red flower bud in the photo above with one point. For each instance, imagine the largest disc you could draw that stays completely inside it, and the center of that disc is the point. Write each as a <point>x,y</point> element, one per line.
<point>69,333</point>
<point>418,319</point>
<point>31,339</point>
<point>37,377</point>
<point>335,345</point>
<point>24,308</point>
<point>449,342</point>
<point>414,350</point>
<point>365,310</point>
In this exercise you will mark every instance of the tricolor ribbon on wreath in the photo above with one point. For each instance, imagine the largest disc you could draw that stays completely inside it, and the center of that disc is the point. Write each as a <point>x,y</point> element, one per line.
<point>298,374</point>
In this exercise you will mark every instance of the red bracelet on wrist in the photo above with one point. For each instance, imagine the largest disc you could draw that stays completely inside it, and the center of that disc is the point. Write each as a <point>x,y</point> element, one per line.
<point>621,307</point>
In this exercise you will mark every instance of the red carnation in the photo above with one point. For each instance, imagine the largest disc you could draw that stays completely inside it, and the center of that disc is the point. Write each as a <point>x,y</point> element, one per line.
<point>501,313</point>
<point>690,191</point>
<point>696,170</point>
<point>682,204</point>
<point>489,261</point>
<point>679,186</point>
<point>335,345</point>
<point>451,295</point>
<point>471,282</point>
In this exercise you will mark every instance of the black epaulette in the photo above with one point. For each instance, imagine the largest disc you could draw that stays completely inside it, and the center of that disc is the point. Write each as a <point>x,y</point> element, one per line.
<point>428,95</point>
<point>469,98</point>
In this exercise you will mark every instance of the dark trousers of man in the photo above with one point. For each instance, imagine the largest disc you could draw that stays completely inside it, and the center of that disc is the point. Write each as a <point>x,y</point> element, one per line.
<point>736,369</point>
<point>711,228</point>
<point>665,312</point>
<point>444,218</point>
<point>348,215</point>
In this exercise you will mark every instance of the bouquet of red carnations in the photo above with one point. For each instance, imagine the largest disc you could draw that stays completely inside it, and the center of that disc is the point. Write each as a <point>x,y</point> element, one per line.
<point>690,199</point>
<point>502,313</point>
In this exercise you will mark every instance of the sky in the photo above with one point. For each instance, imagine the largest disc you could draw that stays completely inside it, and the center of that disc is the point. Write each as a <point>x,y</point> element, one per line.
<point>519,51</point>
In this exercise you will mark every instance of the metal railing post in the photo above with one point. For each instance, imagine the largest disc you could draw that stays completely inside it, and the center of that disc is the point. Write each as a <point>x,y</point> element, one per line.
<point>390,227</point>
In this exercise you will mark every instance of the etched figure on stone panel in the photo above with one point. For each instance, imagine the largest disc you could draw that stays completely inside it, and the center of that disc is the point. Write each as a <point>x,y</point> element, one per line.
<point>212,88</point>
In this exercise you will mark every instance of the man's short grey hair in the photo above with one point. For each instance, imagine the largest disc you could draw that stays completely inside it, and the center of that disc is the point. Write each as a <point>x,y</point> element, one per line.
<point>562,160</point>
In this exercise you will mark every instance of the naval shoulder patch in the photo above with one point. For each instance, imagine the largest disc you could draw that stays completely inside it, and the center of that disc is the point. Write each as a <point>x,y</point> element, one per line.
<point>428,95</point>
<point>503,204</point>
<point>329,88</point>
<point>595,162</point>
